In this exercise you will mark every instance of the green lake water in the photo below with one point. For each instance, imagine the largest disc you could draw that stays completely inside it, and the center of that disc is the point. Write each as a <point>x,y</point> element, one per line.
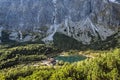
<point>71,59</point>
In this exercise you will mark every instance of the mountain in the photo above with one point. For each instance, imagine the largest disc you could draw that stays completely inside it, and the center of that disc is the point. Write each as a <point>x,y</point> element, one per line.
<point>83,20</point>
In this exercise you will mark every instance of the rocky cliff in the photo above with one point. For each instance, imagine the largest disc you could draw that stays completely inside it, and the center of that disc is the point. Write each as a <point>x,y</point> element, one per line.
<point>83,20</point>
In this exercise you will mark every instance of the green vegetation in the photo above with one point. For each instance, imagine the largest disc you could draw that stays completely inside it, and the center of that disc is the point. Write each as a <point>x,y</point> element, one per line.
<point>64,42</point>
<point>24,61</point>
<point>67,43</point>
<point>5,36</point>
<point>32,52</point>
<point>20,63</point>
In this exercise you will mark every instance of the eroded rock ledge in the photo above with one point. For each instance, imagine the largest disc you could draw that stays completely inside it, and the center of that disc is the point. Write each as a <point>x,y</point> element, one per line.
<point>83,20</point>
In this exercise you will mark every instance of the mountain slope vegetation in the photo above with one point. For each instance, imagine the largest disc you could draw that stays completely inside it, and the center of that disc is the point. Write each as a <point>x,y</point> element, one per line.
<point>18,63</point>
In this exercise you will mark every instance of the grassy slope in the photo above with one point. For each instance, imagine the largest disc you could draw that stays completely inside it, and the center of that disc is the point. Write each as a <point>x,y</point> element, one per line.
<point>29,53</point>
<point>103,67</point>
<point>64,42</point>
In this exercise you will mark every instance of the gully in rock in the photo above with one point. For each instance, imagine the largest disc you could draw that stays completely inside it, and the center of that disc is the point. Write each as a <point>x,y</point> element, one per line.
<point>54,27</point>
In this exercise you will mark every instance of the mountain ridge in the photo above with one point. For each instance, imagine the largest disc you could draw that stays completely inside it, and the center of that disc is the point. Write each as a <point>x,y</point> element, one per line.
<point>82,20</point>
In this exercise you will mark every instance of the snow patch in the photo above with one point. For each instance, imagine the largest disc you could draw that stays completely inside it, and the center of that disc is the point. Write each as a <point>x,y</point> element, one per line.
<point>21,35</point>
<point>67,25</point>
<point>114,1</point>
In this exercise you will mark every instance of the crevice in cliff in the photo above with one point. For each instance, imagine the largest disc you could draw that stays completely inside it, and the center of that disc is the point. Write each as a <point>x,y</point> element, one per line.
<point>54,27</point>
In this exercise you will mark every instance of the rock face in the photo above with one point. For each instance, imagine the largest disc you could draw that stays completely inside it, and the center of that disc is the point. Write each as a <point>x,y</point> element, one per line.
<point>83,20</point>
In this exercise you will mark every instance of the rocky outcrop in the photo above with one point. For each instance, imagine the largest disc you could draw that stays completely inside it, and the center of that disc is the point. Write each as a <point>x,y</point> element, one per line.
<point>83,20</point>
<point>1,28</point>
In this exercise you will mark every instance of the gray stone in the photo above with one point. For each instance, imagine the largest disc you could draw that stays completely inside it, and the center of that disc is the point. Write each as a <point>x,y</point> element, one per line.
<point>14,35</point>
<point>79,19</point>
<point>1,28</point>
<point>28,38</point>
